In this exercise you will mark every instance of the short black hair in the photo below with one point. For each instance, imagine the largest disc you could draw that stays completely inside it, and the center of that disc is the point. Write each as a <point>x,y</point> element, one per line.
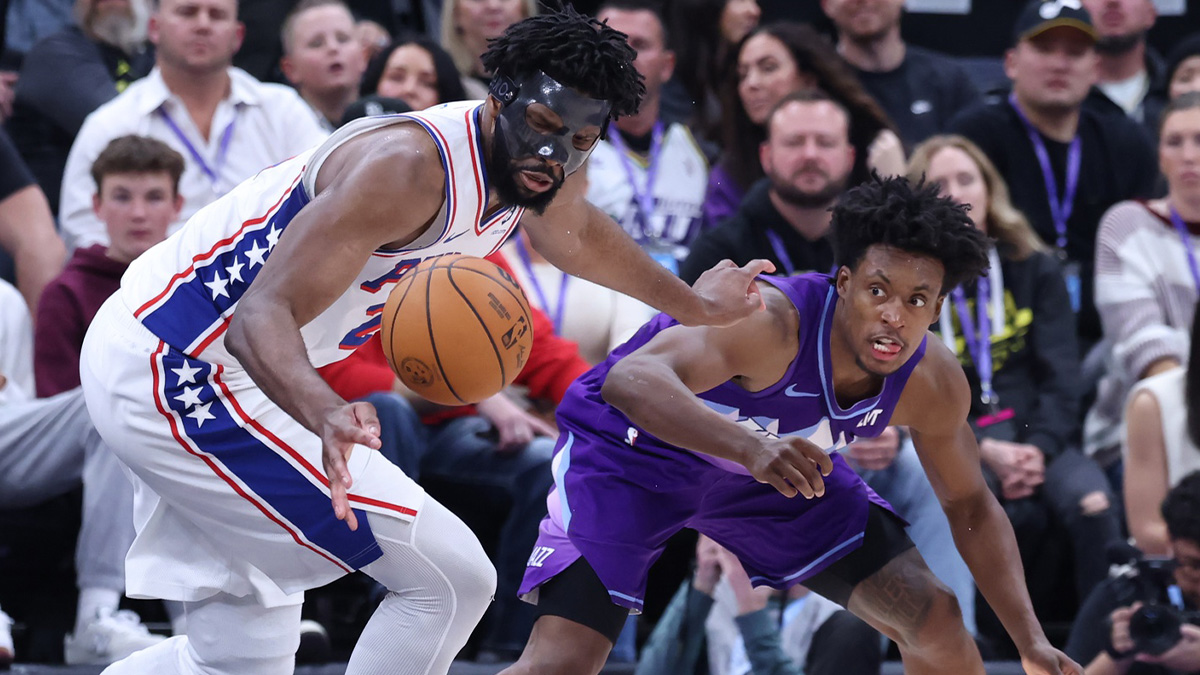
<point>915,218</point>
<point>653,6</point>
<point>1181,509</point>
<point>577,51</point>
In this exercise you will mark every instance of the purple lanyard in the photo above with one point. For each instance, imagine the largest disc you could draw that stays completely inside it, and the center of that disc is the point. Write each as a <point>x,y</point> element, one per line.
<point>781,252</point>
<point>1060,210</point>
<point>643,198</point>
<point>1182,229</point>
<point>979,343</point>
<point>527,263</point>
<point>213,173</point>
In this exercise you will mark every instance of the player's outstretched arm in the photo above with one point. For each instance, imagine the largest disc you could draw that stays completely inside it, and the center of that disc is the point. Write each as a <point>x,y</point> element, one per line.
<point>583,241</point>
<point>655,388</point>
<point>369,194</point>
<point>934,406</point>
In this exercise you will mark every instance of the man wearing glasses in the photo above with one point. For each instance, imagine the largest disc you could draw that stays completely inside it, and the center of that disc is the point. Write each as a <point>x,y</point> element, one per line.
<point>1112,633</point>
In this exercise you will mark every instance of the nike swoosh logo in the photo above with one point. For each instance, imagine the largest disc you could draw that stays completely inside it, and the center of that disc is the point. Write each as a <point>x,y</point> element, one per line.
<point>791,391</point>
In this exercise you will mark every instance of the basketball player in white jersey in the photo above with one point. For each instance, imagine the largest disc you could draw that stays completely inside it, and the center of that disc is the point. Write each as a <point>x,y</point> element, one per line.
<point>200,373</point>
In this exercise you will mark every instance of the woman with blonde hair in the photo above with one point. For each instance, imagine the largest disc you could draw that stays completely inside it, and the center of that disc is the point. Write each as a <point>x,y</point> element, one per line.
<point>1014,333</point>
<point>467,25</point>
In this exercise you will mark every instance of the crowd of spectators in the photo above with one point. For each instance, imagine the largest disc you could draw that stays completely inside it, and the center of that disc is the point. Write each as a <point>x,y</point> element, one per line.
<point>1076,148</point>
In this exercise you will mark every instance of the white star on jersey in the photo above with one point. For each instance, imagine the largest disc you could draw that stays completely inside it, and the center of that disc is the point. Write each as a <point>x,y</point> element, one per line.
<point>186,374</point>
<point>200,414</point>
<point>190,396</point>
<point>235,271</point>
<point>273,237</point>
<point>255,255</point>
<point>218,286</point>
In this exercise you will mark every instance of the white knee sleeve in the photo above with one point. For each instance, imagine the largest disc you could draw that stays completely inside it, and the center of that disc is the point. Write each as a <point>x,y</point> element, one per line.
<point>440,582</point>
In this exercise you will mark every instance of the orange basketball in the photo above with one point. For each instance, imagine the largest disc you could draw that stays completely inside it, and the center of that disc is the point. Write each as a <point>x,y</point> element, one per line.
<point>456,329</point>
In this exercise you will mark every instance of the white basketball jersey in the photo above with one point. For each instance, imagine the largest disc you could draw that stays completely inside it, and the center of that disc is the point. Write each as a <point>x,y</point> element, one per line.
<point>185,289</point>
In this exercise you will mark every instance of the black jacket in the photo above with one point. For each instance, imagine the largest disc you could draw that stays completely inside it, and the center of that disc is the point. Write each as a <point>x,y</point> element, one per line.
<point>1036,363</point>
<point>742,237</point>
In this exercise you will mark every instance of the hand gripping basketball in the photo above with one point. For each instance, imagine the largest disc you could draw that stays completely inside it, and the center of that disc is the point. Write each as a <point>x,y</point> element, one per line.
<point>791,465</point>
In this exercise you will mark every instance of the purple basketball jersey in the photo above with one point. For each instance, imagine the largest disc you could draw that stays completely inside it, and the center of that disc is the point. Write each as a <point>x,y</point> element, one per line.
<point>620,492</point>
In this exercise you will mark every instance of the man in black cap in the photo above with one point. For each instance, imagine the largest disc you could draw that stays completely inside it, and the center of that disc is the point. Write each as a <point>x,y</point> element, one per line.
<point>1064,164</point>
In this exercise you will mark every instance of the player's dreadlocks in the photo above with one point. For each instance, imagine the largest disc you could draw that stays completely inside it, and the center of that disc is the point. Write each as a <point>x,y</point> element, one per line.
<point>914,218</point>
<point>577,51</point>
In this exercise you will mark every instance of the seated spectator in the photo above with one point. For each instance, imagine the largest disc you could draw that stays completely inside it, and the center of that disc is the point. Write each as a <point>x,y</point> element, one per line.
<point>1161,445</point>
<point>479,449</point>
<point>1131,74</point>
<point>807,158</point>
<point>322,58</point>
<point>227,125</point>
<point>706,35</point>
<point>1064,163</point>
<point>71,73</point>
<point>137,198</point>
<point>467,25</point>
<point>48,447</point>
<point>718,623</point>
<point>1013,331</point>
<point>1147,281</point>
<point>597,318</point>
<point>772,62</point>
<point>649,174</point>
<point>919,89</point>
<point>1183,67</point>
<point>1101,636</point>
<point>414,70</point>
<point>26,227</point>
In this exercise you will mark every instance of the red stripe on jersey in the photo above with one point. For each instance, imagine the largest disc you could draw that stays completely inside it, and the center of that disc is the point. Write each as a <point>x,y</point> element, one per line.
<point>212,251</point>
<point>320,476</point>
<point>478,173</point>
<point>155,364</point>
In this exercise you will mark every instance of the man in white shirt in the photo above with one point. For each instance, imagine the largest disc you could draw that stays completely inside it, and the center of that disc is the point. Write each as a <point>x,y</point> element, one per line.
<point>1131,75</point>
<point>649,175</point>
<point>227,125</point>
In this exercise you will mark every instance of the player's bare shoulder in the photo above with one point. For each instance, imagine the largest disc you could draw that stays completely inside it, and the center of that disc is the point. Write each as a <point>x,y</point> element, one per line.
<point>937,396</point>
<point>392,169</point>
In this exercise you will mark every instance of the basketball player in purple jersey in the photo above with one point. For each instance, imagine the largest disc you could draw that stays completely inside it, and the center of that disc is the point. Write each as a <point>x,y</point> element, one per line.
<point>199,372</point>
<point>734,432</point>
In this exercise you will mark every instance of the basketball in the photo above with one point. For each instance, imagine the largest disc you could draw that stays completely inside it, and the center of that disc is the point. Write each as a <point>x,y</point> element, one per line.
<point>456,329</point>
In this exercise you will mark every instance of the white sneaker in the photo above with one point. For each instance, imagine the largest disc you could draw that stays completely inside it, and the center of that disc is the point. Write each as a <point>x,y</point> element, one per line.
<point>110,637</point>
<point>6,644</point>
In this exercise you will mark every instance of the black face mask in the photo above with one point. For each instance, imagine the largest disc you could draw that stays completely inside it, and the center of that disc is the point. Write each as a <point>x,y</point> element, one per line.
<point>577,112</point>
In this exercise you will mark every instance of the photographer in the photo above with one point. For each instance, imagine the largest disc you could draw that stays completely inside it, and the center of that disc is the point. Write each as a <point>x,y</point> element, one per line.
<point>1128,624</point>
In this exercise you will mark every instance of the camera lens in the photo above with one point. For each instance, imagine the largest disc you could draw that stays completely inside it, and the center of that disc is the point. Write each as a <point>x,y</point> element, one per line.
<point>1155,628</point>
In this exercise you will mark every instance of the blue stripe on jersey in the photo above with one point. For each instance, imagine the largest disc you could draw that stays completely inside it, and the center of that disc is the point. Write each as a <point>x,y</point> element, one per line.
<point>190,392</point>
<point>197,306</point>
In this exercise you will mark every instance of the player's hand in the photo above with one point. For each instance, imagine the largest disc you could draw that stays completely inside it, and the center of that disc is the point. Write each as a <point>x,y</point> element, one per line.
<point>1184,656</point>
<point>875,454</point>
<point>1042,659</point>
<point>8,93</point>
<point>344,427</point>
<point>791,465</point>
<point>515,426</point>
<point>728,292</point>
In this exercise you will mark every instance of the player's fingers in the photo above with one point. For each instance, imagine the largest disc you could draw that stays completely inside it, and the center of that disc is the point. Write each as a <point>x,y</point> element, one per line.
<point>335,465</point>
<point>341,504</point>
<point>758,266</point>
<point>781,485</point>
<point>802,482</point>
<point>367,417</point>
<point>818,456</point>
